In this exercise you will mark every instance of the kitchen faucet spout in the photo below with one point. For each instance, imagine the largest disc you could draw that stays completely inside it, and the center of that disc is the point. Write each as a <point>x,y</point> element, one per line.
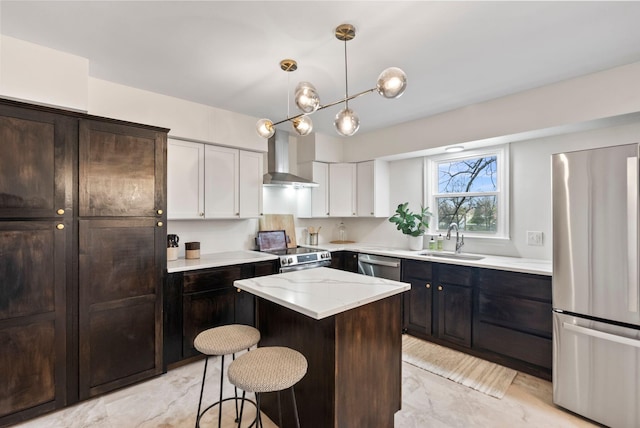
<point>459,238</point>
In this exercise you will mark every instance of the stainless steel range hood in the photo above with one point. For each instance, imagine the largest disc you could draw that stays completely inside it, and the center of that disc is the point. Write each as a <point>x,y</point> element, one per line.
<point>278,164</point>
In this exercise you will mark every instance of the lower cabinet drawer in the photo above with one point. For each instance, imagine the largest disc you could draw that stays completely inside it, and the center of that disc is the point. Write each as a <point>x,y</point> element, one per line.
<point>526,315</point>
<point>515,344</point>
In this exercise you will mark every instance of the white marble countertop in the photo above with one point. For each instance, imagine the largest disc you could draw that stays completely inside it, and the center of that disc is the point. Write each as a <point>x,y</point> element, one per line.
<point>513,264</point>
<point>321,292</point>
<point>210,260</point>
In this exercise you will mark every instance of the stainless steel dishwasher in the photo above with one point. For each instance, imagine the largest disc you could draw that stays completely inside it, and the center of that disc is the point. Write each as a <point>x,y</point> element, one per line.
<point>379,266</point>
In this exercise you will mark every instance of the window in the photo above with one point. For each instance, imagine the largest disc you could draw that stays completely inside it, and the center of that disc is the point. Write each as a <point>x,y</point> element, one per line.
<point>470,189</point>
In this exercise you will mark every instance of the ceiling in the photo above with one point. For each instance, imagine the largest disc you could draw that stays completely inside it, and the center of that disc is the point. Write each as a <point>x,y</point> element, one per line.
<point>226,53</point>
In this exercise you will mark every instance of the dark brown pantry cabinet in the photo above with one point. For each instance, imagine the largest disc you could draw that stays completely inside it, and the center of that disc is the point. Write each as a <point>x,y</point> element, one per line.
<point>82,253</point>
<point>121,254</point>
<point>36,235</point>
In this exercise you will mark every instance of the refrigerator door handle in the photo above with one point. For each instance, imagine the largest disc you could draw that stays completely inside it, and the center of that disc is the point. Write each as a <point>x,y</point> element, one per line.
<point>601,335</point>
<point>632,228</point>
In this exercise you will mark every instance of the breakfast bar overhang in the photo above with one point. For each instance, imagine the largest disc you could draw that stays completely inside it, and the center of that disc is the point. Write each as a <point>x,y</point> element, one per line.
<point>349,328</point>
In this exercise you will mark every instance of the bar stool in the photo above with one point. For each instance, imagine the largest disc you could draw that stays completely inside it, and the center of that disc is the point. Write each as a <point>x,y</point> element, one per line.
<point>268,369</point>
<point>224,340</point>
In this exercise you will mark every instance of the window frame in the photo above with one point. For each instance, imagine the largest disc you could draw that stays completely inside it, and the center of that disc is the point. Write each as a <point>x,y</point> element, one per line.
<point>502,193</point>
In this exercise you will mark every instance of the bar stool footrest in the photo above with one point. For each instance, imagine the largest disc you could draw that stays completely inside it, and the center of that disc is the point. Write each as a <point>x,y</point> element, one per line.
<point>239,399</point>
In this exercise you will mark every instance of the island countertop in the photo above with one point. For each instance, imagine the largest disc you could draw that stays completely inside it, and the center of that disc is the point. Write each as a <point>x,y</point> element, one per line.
<point>321,292</point>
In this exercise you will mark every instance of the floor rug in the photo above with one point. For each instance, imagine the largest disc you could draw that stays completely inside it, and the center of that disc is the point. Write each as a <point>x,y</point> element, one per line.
<point>484,376</point>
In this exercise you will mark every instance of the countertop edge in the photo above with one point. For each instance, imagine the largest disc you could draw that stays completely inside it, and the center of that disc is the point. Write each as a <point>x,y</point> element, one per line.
<point>228,258</point>
<point>220,259</point>
<point>511,264</point>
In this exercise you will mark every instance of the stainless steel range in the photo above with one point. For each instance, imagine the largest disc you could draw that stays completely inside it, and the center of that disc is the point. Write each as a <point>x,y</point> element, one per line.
<point>298,258</point>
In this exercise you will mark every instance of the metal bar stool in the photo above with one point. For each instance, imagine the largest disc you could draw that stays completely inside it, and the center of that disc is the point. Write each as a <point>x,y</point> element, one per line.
<point>224,340</point>
<point>268,369</point>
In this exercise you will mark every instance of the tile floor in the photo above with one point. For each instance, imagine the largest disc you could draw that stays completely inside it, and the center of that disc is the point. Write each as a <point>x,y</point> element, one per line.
<point>171,400</point>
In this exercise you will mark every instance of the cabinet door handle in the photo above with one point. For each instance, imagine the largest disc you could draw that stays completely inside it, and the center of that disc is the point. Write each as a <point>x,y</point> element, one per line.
<point>238,290</point>
<point>160,224</point>
<point>159,212</point>
<point>201,214</point>
<point>59,226</point>
<point>428,285</point>
<point>60,211</point>
<point>439,287</point>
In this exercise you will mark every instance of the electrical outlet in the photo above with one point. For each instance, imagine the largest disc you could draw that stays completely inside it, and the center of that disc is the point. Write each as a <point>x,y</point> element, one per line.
<point>534,238</point>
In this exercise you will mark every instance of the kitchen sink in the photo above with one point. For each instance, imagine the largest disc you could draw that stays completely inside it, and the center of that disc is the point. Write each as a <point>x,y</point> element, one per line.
<point>452,256</point>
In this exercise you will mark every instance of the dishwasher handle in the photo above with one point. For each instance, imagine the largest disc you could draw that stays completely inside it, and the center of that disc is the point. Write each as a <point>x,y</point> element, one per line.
<point>380,263</point>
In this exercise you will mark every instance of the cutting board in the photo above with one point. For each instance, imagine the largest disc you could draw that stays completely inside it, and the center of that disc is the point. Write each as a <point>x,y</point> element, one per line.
<point>280,222</point>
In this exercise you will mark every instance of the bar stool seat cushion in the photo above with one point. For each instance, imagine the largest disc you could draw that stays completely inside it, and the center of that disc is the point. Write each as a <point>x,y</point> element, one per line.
<point>268,369</point>
<point>226,339</point>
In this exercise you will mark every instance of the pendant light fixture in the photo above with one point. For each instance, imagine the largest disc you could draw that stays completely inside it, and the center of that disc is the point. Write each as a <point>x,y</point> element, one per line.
<point>391,84</point>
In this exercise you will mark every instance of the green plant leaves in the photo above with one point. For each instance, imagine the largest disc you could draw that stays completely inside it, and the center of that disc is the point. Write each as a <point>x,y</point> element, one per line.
<point>410,223</point>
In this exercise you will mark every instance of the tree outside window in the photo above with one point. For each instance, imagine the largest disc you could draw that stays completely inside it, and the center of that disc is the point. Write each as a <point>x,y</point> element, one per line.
<point>468,194</point>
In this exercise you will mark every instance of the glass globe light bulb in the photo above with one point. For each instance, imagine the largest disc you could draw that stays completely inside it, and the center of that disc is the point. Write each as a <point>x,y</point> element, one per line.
<point>306,97</point>
<point>392,82</point>
<point>346,122</point>
<point>265,128</point>
<point>302,125</point>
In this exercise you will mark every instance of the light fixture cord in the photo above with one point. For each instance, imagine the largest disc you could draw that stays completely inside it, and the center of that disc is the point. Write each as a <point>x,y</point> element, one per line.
<point>346,80</point>
<point>288,94</point>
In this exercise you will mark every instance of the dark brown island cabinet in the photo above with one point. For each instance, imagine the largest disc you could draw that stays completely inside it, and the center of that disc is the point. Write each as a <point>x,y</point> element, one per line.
<point>501,316</point>
<point>82,256</point>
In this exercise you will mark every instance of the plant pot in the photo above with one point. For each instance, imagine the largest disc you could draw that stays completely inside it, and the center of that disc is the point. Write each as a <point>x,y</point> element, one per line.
<point>416,242</point>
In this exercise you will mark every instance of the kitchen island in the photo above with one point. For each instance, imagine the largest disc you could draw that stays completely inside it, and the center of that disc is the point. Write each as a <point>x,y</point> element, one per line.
<point>349,328</point>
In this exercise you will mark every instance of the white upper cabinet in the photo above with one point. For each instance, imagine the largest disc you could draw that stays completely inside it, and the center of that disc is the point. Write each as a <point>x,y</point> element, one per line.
<point>222,184</point>
<point>207,182</point>
<point>342,189</point>
<point>185,180</point>
<point>314,201</point>
<point>251,172</point>
<point>373,189</point>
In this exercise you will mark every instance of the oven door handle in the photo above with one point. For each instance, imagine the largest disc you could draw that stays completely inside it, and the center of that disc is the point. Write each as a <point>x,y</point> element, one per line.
<point>324,263</point>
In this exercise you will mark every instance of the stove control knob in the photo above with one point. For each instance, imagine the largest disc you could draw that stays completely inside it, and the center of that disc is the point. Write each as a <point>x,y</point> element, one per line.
<point>290,260</point>
<point>283,261</point>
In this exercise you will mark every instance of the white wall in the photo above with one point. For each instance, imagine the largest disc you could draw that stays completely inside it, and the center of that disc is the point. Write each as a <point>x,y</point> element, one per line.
<point>595,96</point>
<point>42,75</point>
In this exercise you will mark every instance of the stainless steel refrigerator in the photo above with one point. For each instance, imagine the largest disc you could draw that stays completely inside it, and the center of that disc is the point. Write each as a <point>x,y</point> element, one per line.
<point>596,318</point>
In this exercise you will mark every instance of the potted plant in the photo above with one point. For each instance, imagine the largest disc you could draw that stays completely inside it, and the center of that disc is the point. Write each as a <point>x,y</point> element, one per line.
<point>414,225</point>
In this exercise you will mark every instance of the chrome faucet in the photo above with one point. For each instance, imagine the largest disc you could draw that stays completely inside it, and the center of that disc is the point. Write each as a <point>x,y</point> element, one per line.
<point>459,238</point>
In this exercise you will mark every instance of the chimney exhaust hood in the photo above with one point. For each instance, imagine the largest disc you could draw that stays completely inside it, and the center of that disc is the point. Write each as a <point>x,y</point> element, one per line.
<point>278,164</point>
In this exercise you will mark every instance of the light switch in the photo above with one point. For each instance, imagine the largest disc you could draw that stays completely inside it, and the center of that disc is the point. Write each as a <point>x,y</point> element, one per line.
<point>534,238</point>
